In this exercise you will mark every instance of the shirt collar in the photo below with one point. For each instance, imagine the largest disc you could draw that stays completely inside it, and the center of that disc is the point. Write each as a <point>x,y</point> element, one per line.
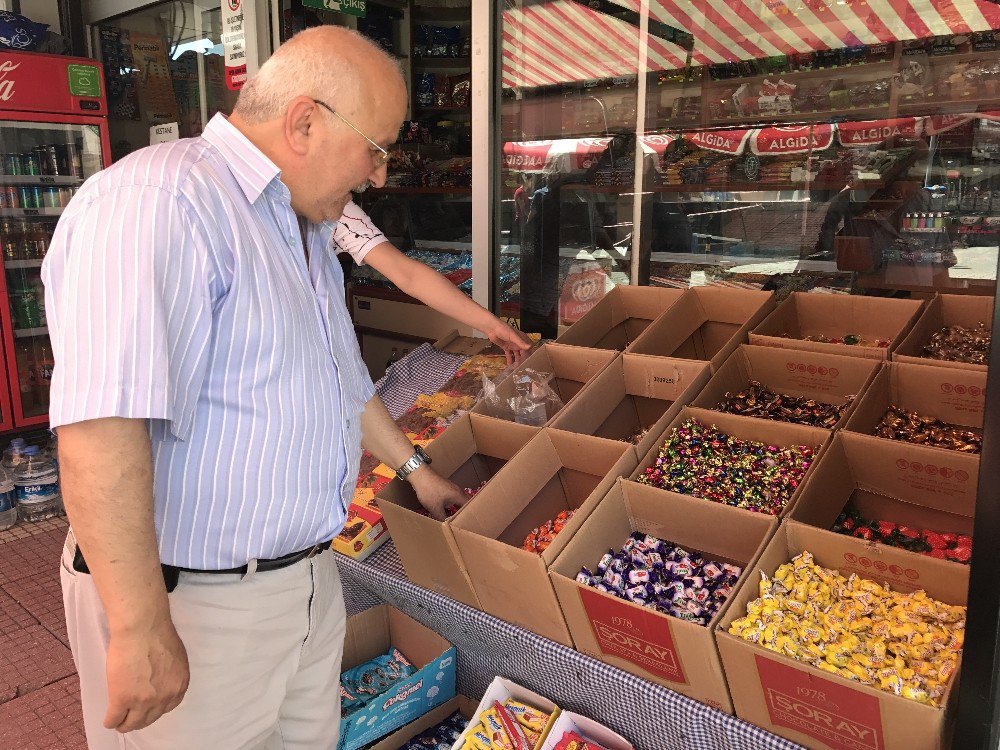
<point>251,168</point>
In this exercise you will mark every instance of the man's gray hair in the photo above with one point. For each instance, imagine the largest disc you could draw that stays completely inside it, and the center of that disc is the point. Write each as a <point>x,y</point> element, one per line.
<point>305,66</point>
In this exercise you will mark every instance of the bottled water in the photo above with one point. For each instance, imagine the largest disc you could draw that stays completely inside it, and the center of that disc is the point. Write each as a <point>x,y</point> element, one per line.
<point>37,482</point>
<point>8,500</point>
<point>13,455</point>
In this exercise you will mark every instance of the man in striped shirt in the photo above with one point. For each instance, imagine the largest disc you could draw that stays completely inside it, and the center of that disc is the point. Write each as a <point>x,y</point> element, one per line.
<point>211,403</point>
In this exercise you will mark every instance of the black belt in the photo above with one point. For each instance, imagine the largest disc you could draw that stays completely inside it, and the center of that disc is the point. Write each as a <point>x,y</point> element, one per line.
<point>172,572</point>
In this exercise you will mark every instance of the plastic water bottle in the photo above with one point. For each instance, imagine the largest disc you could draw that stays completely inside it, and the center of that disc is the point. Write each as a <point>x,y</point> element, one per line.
<point>14,455</point>
<point>37,482</point>
<point>8,500</point>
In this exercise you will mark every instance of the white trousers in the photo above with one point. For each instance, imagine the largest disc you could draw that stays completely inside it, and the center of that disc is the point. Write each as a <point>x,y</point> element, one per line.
<point>264,655</point>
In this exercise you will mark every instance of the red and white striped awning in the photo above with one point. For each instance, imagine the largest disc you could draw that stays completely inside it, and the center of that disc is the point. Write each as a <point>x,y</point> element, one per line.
<point>562,41</point>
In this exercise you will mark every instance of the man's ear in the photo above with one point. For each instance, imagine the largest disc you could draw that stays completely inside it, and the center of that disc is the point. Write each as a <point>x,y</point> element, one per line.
<point>300,119</point>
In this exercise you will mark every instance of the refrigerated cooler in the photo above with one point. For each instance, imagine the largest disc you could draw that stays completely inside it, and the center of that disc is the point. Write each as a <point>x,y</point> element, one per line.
<point>53,135</point>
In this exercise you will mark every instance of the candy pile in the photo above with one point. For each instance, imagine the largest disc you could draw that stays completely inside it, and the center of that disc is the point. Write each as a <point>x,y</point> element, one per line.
<point>911,427</point>
<point>850,339</point>
<point>660,575</point>
<point>367,681</point>
<point>471,492</point>
<point>960,344</point>
<point>507,726</point>
<point>906,644</point>
<point>541,537</point>
<point>704,462</point>
<point>635,437</point>
<point>759,401</point>
<point>944,546</point>
<point>574,741</point>
<point>443,735</point>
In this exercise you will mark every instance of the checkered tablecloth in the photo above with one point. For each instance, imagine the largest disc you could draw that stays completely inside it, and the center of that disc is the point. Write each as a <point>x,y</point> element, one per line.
<point>650,716</point>
<point>424,370</point>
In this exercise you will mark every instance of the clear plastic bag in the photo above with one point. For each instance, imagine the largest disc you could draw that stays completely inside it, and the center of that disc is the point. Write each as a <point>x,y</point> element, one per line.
<point>529,399</point>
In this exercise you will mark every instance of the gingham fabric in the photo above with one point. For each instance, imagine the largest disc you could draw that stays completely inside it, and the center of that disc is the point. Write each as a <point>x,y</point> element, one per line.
<point>424,370</point>
<point>652,717</point>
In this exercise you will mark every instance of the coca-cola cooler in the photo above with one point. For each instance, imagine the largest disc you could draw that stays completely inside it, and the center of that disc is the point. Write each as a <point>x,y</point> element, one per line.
<point>53,135</point>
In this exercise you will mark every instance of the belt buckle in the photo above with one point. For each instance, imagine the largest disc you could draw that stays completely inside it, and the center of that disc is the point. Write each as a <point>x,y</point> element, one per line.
<point>317,548</point>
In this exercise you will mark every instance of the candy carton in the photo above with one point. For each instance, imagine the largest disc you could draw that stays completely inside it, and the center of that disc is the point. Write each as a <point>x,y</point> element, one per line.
<point>707,323</point>
<point>470,452</point>
<point>814,707</point>
<point>371,633</point>
<point>557,471</point>
<point>945,310</point>
<point>620,317</point>
<point>465,706</point>
<point>672,652</point>
<point>587,728</point>
<point>501,690</point>
<point>633,399</point>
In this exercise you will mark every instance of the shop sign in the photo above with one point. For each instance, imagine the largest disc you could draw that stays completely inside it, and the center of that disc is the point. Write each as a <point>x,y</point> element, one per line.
<point>350,7</point>
<point>632,634</point>
<point>874,132</point>
<point>777,141</point>
<point>723,141</point>
<point>525,156</point>
<point>168,131</point>
<point>584,287</point>
<point>234,43</point>
<point>838,716</point>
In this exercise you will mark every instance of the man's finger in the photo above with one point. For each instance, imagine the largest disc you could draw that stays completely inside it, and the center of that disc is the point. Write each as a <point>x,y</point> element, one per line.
<point>115,716</point>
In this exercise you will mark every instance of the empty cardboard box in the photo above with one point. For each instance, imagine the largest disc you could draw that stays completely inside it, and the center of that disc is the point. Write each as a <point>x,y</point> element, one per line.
<point>822,710</point>
<point>620,317</point>
<point>835,316</point>
<point>943,311</point>
<point>571,367</point>
<point>747,428</point>
<point>953,396</point>
<point>827,378</point>
<point>633,399</point>
<point>706,323</point>
<point>852,475</point>
<point>672,652</point>
<point>469,452</point>
<point>556,471</point>
<point>372,633</point>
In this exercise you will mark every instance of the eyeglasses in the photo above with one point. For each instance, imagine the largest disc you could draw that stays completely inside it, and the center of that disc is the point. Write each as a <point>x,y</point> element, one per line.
<point>379,155</point>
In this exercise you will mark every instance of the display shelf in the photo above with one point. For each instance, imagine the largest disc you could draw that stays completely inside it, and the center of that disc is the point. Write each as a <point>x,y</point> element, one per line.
<point>885,68</point>
<point>33,263</point>
<point>26,333</point>
<point>805,118</point>
<point>25,179</point>
<point>453,110</point>
<point>649,715</point>
<point>957,106</point>
<point>20,213</point>
<point>921,279</point>
<point>442,62</point>
<point>924,230</point>
<point>389,190</point>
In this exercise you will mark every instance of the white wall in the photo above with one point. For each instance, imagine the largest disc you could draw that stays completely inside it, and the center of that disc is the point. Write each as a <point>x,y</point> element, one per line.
<point>42,11</point>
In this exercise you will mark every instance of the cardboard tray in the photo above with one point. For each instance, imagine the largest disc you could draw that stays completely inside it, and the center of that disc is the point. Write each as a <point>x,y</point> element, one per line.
<point>620,317</point>
<point>942,311</point>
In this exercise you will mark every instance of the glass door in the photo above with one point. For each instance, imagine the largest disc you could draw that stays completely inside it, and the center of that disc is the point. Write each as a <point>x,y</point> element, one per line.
<point>41,167</point>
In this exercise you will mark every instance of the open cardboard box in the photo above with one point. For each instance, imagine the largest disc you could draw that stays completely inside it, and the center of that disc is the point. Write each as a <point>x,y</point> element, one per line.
<point>502,689</point>
<point>620,317</point>
<point>678,654</point>
<point>706,323</point>
<point>571,366</point>
<point>943,311</point>
<point>586,728</point>
<point>465,706</point>
<point>635,393</point>
<point>827,378</point>
<point>822,710</point>
<point>469,452</point>
<point>954,396</point>
<point>835,315</point>
<point>371,633</point>
<point>748,428</point>
<point>554,472</point>
<point>852,474</point>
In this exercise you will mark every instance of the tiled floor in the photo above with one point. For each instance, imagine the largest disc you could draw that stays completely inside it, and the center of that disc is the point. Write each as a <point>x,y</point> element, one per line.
<point>39,691</point>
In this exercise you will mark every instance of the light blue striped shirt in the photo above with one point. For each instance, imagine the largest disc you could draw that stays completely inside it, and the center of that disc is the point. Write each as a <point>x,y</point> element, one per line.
<point>177,291</point>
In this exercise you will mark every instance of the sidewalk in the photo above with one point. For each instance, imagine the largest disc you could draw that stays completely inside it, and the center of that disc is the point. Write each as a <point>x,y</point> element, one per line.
<point>39,691</point>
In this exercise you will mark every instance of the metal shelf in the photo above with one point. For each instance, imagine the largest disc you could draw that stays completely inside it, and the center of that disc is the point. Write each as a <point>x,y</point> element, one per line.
<point>34,263</point>
<point>44,179</point>
<point>24,333</point>
<point>20,213</point>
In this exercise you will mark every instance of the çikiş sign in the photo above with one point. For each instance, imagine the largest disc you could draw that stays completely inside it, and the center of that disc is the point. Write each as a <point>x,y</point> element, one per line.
<point>350,7</point>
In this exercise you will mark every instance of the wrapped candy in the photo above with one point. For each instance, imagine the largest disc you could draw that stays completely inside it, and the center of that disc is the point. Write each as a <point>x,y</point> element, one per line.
<point>911,427</point>
<point>942,545</point>
<point>960,344</point>
<point>541,537</point>
<point>759,401</point>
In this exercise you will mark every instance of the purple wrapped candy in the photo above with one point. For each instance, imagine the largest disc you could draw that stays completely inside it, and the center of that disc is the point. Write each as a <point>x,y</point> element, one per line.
<point>585,577</point>
<point>602,566</point>
<point>712,571</point>
<point>614,580</point>
<point>639,594</point>
<point>655,559</point>
<point>639,575</point>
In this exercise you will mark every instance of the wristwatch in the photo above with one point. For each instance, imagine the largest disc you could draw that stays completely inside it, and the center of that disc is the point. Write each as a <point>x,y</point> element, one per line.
<point>413,463</point>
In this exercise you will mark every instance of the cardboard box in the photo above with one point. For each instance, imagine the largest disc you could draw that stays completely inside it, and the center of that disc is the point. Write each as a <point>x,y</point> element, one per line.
<point>571,366</point>
<point>586,728</point>
<point>499,691</point>
<point>634,393</point>
<point>815,708</point>
<point>620,317</point>
<point>943,311</point>
<point>835,315</point>
<point>707,323</point>
<point>671,652</point>
<point>556,471</point>
<point>748,428</point>
<point>853,472</point>
<point>371,633</point>
<point>465,706</point>
<point>827,378</point>
<point>468,453</point>
<point>955,396</point>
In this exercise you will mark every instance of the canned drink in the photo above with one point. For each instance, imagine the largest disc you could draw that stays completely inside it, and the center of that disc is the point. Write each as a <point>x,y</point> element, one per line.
<point>31,164</point>
<point>65,196</point>
<point>51,197</point>
<point>12,164</point>
<point>12,198</point>
<point>27,198</point>
<point>37,197</point>
<point>49,156</point>
<point>74,162</point>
